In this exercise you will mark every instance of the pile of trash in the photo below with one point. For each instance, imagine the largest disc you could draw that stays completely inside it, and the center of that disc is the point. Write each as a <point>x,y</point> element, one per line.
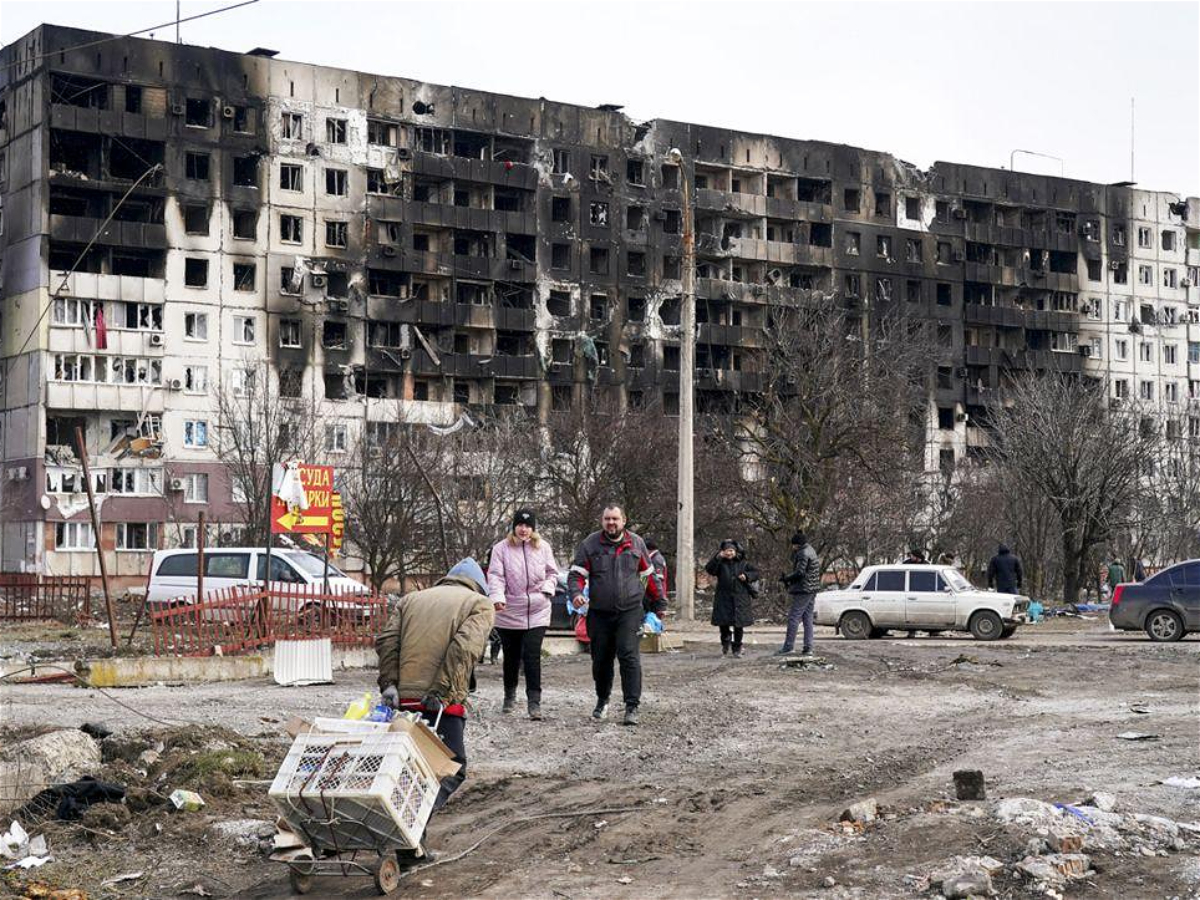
<point>1057,839</point>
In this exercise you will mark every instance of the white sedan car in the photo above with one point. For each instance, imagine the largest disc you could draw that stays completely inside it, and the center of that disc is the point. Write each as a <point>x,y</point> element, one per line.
<point>919,598</point>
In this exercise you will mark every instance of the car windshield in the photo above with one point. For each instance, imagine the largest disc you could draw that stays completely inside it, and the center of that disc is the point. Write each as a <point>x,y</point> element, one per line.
<point>956,580</point>
<point>312,565</point>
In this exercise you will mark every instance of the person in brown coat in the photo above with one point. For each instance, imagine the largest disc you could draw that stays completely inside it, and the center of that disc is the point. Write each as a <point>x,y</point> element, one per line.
<point>427,653</point>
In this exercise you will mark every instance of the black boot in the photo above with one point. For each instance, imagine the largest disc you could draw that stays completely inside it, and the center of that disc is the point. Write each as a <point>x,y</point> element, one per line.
<point>533,703</point>
<point>724,648</point>
<point>510,701</point>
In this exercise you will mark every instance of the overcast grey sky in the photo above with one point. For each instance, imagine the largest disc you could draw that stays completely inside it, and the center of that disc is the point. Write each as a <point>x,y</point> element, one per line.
<point>966,82</point>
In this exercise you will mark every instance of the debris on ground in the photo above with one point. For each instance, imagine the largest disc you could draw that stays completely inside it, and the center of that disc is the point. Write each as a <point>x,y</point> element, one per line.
<point>863,811</point>
<point>968,785</point>
<point>72,801</point>
<point>187,801</point>
<point>57,756</point>
<point>27,852</point>
<point>1176,781</point>
<point>1136,736</point>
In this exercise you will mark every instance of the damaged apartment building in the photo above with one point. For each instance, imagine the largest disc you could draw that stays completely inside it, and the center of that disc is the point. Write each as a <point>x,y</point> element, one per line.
<point>175,217</point>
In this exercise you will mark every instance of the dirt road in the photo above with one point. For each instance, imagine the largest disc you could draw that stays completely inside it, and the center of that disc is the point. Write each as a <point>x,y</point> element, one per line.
<point>738,772</point>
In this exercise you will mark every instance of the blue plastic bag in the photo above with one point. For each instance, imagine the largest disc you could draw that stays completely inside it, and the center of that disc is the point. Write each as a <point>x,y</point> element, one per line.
<point>1035,611</point>
<point>381,713</point>
<point>652,624</point>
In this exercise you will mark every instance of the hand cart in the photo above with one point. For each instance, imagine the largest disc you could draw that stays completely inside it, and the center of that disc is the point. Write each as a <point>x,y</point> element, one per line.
<point>355,793</point>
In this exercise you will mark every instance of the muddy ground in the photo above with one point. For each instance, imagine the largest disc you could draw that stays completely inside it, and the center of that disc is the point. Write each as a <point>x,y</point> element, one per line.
<point>733,782</point>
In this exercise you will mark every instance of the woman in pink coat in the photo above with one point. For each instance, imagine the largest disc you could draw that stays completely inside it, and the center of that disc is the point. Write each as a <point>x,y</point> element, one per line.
<point>522,578</point>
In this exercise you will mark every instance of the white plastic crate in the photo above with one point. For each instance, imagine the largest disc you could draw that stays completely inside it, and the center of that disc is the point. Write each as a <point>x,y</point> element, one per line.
<point>355,791</point>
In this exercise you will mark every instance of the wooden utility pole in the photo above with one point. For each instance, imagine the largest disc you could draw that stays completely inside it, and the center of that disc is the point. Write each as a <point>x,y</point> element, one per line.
<point>87,483</point>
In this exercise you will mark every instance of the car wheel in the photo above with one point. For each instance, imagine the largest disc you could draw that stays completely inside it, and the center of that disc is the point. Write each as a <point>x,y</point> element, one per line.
<point>855,626</point>
<point>1164,626</point>
<point>985,625</point>
<point>1008,632</point>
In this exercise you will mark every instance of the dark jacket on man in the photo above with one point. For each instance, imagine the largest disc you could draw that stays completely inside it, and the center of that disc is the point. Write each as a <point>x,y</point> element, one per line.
<point>733,604</point>
<point>1005,572</point>
<point>805,577</point>
<point>618,574</point>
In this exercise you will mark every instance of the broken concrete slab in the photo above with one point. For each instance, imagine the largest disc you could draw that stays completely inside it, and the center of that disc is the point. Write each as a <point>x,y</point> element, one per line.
<point>972,884</point>
<point>863,811</point>
<point>28,766</point>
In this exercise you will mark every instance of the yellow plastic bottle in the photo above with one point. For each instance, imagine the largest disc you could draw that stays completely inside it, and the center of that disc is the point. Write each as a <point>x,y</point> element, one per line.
<point>359,708</point>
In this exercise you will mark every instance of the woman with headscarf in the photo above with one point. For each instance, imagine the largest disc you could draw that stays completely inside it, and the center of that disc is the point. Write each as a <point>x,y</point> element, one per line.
<point>733,606</point>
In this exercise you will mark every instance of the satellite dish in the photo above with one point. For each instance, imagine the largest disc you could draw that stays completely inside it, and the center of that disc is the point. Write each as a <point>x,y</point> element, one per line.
<point>46,501</point>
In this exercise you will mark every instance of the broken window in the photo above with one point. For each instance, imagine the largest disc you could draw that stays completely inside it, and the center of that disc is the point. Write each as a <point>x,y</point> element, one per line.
<point>381,133</point>
<point>291,229</point>
<point>820,234</point>
<point>521,247</point>
<point>195,219</point>
<point>140,316</point>
<point>387,284</point>
<point>287,274</point>
<point>333,335</point>
<point>883,246</point>
<point>195,272</point>
<point>598,307</point>
<point>376,183</point>
<point>668,311</point>
<point>1168,240</point>
<point>196,166</point>
<point>1064,223</point>
<point>245,171</point>
<point>912,291</point>
<point>635,218</point>
<point>337,284</point>
<point>242,119</point>
<point>941,211</point>
<point>289,332</point>
<point>1095,273</point>
<point>1170,278</point>
<point>852,285</point>
<point>636,309</point>
<point>432,140</point>
<point>671,267</point>
<point>335,234</point>
<point>558,303</point>
<point>195,326</point>
<point>337,436</point>
<point>852,200</point>
<point>599,168</point>
<point>385,334</point>
<point>883,290</point>
<point>1118,234</point>
<point>243,276</point>
<point>291,126</point>
<point>506,395</point>
<point>671,358</point>
<point>636,263</point>
<point>635,171</point>
<point>598,260</point>
<point>73,90</point>
<point>853,243</point>
<point>598,213</point>
<point>335,131</point>
<point>335,182</point>
<point>245,223</point>
<point>560,209</point>
<point>195,433</point>
<point>883,203</point>
<point>508,199</point>
<point>1121,274</point>
<point>1144,239</point>
<point>291,177</point>
<point>1145,275</point>
<point>243,329</point>
<point>672,221</point>
<point>561,396</point>
<point>944,294</point>
<point>139,536</point>
<point>912,250</point>
<point>944,253</point>
<point>198,113</point>
<point>670,177</point>
<point>912,208</point>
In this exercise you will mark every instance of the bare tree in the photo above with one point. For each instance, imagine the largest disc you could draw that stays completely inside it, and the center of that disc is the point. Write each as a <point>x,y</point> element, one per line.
<point>256,430</point>
<point>832,442</point>
<point>391,511</point>
<point>1058,438</point>
<point>599,453</point>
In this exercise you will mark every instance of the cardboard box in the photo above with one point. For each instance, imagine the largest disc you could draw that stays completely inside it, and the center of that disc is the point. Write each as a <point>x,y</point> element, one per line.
<point>429,745</point>
<point>661,643</point>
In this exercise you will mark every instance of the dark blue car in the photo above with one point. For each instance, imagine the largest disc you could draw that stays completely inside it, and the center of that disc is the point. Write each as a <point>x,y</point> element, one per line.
<point>1166,606</point>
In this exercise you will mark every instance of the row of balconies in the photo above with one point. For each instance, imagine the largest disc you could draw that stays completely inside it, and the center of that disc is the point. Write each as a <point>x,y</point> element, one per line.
<point>1016,317</point>
<point>108,121</point>
<point>1024,359</point>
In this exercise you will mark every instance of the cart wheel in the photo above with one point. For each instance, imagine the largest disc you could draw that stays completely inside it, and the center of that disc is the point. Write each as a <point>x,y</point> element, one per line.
<point>301,881</point>
<point>387,875</point>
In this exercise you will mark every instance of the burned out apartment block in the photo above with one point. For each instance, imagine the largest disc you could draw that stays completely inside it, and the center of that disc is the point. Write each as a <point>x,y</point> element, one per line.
<point>176,220</point>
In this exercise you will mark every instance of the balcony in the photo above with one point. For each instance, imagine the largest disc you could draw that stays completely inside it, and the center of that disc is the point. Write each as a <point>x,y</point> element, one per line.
<point>82,229</point>
<point>1003,316</point>
<point>129,398</point>
<point>511,367</point>
<point>468,217</point>
<point>753,206</point>
<point>108,121</point>
<point>506,174</point>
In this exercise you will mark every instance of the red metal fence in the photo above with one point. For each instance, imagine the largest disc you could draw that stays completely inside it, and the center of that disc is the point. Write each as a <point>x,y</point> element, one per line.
<point>247,618</point>
<point>32,597</point>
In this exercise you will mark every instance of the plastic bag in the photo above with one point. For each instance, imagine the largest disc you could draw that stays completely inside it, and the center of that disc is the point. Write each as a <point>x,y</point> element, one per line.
<point>652,624</point>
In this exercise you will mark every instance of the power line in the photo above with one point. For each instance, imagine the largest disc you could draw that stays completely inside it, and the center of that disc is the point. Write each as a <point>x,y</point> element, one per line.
<point>117,37</point>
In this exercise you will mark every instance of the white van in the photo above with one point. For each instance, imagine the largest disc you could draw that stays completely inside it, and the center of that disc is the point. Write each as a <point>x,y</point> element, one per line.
<point>173,574</point>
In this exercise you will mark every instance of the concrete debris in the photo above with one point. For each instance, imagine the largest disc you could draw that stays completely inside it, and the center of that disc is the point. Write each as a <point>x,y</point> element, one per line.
<point>1175,781</point>
<point>246,834</point>
<point>974,884</point>
<point>1101,800</point>
<point>829,881</point>
<point>1136,736</point>
<point>1064,842</point>
<point>28,852</point>
<point>862,811</point>
<point>968,785</point>
<point>58,756</point>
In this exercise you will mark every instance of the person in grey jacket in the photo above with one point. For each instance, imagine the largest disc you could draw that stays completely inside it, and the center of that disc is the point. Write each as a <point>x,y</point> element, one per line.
<point>802,583</point>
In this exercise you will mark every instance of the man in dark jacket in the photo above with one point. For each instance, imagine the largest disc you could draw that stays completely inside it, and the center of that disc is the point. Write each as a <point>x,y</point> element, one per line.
<point>802,583</point>
<point>1004,571</point>
<point>733,599</point>
<point>616,566</point>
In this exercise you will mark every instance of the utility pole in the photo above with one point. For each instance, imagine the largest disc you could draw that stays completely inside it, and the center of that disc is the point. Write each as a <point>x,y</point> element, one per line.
<point>685,559</point>
<point>87,483</point>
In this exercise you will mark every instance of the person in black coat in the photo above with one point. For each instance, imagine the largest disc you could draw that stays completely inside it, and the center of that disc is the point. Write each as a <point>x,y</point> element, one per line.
<point>733,607</point>
<point>1004,572</point>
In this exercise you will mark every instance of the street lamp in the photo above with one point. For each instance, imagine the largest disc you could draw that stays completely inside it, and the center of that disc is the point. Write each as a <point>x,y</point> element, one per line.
<point>685,566</point>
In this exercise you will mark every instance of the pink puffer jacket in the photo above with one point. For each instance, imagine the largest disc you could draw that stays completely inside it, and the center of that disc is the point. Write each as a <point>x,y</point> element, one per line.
<point>524,577</point>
